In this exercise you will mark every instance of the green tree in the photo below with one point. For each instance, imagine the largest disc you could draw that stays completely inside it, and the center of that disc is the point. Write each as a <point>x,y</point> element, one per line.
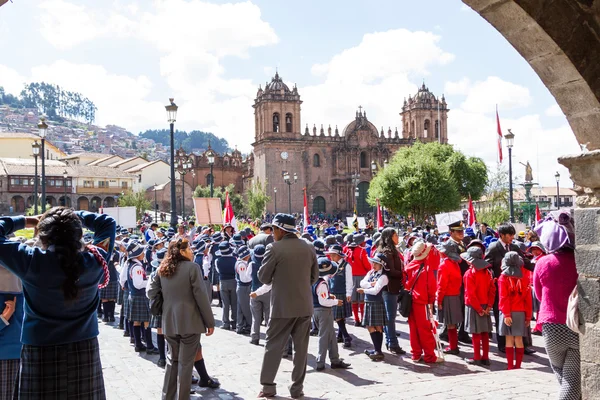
<point>426,179</point>
<point>256,200</point>
<point>495,209</point>
<point>237,202</point>
<point>137,200</point>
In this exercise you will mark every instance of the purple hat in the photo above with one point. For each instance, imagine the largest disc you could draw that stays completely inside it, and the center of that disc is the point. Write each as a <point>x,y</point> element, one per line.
<point>556,231</point>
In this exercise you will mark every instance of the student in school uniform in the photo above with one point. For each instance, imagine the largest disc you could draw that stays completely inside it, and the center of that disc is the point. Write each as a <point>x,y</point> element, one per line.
<point>421,282</point>
<point>260,297</point>
<point>124,286</point>
<point>480,292</point>
<point>139,309</point>
<point>243,278</point>
<point>156,320</point>
<point>341,287</point>
<point>202,258</point>
<point>374,318</point>
<point>225,266</point>
<point>514,302</point>
<point>323,302</point>
<point>358,259</point>
<point>216,239</point>
<point>449,284</point>
<point>110,293</point>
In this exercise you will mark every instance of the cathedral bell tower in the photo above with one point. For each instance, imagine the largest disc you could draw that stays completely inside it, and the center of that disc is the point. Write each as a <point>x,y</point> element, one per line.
<point>276,111</point>
<point>425,117</point>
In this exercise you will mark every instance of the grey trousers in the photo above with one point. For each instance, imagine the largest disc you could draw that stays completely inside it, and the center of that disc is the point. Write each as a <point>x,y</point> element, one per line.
<point>260,306</point>
<point>244,315</point>
<point>562,347</point>
<point>278,332</point>
<point>327,338</point>
<point>209,289</point>
<point>229,297</point>
<point>180,362</point>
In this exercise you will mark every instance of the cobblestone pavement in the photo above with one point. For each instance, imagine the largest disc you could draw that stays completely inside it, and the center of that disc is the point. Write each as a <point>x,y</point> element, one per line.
<point>236,363</point>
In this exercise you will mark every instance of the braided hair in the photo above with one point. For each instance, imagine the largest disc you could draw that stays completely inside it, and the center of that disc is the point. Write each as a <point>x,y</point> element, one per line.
<point>61,227</point>
<point>168,266</point>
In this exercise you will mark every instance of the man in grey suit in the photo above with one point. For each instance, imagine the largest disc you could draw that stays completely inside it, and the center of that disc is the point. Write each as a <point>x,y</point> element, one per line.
<point>290,266</point>
<point>186,314</point>
<point>265,236</point>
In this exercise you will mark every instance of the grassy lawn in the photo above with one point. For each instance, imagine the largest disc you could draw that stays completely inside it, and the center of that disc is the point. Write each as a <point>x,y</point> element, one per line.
<point>26,233</point>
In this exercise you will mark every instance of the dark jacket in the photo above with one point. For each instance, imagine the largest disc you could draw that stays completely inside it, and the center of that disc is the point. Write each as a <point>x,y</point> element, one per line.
<point>495,253</point>
<point>394,271</point>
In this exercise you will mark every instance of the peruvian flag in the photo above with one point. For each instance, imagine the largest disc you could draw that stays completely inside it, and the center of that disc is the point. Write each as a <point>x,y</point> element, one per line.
<point>499,136</point>
<point>472,216</point>
<point>538,214</point>
<point>379,216</point>
<point>306,220</point>
<point>228,216</point>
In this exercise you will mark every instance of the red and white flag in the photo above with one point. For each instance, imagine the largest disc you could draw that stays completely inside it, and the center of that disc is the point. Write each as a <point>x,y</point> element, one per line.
<point>379,216</point>
<point>472,216</point>
<point>499,136</point>
<point>228,216</point>
<point>538,214</point>
<point>306,220</point>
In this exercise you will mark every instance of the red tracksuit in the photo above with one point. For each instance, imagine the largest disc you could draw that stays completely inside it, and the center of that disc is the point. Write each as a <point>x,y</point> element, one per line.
<point>421,333</point>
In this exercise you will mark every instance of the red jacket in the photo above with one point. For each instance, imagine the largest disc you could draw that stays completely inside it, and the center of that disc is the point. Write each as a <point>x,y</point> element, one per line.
<point>449,280</point>
<point>514,295</point>
<point>357,257</point>
<point>424,285</point>
<point>479,288</point>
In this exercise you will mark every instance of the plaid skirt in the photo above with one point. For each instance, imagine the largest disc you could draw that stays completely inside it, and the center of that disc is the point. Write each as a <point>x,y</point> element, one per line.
<point>474,323</point>
<point>357,297</point>
<point>452,311</point>
<point>344,311</point>
<point>138,309</point>
<point>125,303</point>
<point>110,292</point>
<point>119,295</point>
<point>374,314</point>
<point>8,377</point>
<point>70,371</point>
<point>156,321</point>
<point>517,328</point>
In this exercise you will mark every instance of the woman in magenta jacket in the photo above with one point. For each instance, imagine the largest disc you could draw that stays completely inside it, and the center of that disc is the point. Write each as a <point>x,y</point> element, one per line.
<point>554,279</point>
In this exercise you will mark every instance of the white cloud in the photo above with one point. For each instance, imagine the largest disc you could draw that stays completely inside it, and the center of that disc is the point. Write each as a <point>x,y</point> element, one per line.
<point>554,111</point>
<point>11,80</point>
<point>482,97</point>
<point>460,87</point>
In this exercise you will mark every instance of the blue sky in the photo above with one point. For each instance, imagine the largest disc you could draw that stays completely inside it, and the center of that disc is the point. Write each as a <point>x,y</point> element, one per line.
<point>131,56</point>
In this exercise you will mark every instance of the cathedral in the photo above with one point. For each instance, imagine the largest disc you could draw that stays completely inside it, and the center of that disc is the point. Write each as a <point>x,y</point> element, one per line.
<point>334,165</point>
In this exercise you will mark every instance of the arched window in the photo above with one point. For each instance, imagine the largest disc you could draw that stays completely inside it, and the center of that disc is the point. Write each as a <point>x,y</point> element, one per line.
<point>209,180</point>
<point>413,133</point>
<point>316,161</point>
<point>426,131</point>
<point>319,205</point>
<point>363,159</point>
<point>437,129</point>
<point>288,122</point>
<point>276,122</point>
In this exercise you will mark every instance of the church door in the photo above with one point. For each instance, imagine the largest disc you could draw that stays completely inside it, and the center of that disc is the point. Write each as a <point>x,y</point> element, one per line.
<point>362,207</point>
<point>319,205</point>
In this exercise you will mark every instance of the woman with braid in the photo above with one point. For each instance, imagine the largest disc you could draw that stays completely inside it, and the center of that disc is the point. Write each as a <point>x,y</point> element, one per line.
<point>60,286</point>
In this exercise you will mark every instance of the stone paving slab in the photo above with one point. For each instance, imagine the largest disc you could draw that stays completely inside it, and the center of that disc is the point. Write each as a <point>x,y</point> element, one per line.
<point>236,363</point>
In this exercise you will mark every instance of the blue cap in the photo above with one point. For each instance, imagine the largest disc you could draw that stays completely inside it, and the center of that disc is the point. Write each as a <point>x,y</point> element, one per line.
<point>319,247</point>
<point>259,251</point>
<point>286,222</point>
<point>160,255</point>
<point>243,252</point>
<point>217,237</point>
<point>224,249</point>
<point>326,266</point>
<point>134,249</point>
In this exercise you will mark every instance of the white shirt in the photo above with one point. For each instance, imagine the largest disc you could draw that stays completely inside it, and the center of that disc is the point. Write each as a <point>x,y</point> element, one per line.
<point>263,290</point>
<point>151,234</point>
<point>380,284</point>
<point>245,273</point>
<point>206,264</point>
<point>123,272</point>
<point>323,295</point>
<point>138,275</point>
<point>349,283</point>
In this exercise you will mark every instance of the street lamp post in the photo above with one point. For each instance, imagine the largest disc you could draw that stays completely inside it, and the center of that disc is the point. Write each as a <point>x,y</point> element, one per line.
<point>171,118</point>
<point>184,165</point>
<point>288,181</point>
<point>35,147</point>
<point>374,172</point>
<point>557,176</point>
<point>43,129</point>
<point>355,180</point>
<point>65,176</point>
<point>211,162</point>
<point>275,190</point>
<point>510,138</point>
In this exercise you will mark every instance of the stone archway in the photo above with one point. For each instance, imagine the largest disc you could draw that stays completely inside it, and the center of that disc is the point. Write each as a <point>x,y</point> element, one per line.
<point>83,203</point>
<point>109,201</point>
<point>17,204</point>
<point>95,204</point>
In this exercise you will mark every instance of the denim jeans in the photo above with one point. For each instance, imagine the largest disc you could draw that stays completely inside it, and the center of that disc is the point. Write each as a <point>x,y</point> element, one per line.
<point>390,302</point>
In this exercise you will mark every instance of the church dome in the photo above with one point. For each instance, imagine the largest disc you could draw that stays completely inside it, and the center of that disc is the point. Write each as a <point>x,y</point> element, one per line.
<point>360,123</point>
<point>424,93</point>
<point>277,84</point>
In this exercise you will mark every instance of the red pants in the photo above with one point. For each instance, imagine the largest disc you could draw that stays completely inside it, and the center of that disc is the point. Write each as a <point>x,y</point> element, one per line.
<point>421,334</point>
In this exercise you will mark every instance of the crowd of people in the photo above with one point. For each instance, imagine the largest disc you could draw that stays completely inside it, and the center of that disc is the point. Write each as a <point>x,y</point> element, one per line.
<point>458,286</point>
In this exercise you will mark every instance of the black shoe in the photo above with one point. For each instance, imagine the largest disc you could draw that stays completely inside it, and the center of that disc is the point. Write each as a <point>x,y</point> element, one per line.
<point>254,342</point>
<point>320,368</point>
<point>357,323</point>
<point>340,365</point>
<point>131,340</point>
<point>472,361</point>
<point>105,320</point>
<point>126,334</point>
<point>340,339</point>
<point>152,350</point>
<point>454,352</point>
<point>111,319</point>
<point>529,351</point>
<point>502,350</point>
<point>314,332</point>
<point>369,352</point>
<point>121,327</point>
<point>536,333</point>
<point>347,343</point>
<point>226,327</point>
<point>486,362</point>
<point>376,356</point>
<point>220,304</point>
<point>139,349</point>
<point>210,383</point>
<point>161,362</point>
<point>246,331</point>
<point>239,331</point>
<point>397,350</point>
<point>465,338</point>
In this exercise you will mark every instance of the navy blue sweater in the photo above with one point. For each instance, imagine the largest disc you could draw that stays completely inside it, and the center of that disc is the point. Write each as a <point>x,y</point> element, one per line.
<point>225,265</point>
<point>49,318</point>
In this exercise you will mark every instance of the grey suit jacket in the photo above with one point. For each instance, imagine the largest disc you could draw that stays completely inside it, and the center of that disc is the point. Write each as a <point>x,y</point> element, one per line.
<point>185,308</point>
<point>290,265</point>
<point>261,238</point>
